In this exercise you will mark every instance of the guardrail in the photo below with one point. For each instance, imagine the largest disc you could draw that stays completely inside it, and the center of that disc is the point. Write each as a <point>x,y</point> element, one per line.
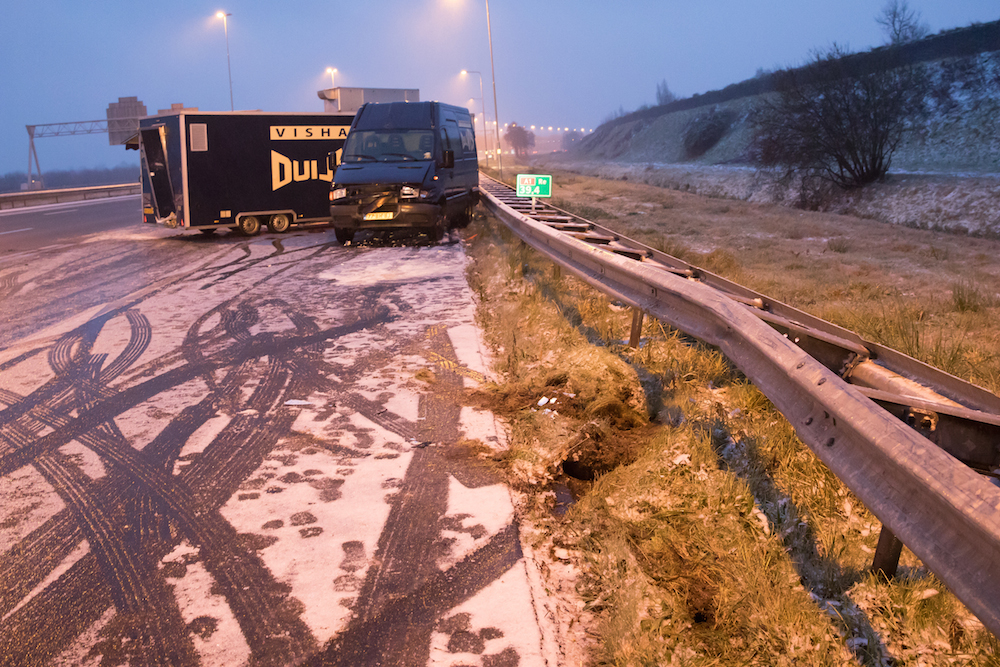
<point>943,510</point>
<point>40,197</point>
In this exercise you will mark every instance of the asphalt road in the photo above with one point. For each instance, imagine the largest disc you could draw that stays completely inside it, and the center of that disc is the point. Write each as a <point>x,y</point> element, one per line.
<point>228,450</point>
<point>56,224</point>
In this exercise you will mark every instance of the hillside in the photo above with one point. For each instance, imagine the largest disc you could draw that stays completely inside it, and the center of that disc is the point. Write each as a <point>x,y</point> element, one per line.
<point>945,175</point>
<point>959,133</point>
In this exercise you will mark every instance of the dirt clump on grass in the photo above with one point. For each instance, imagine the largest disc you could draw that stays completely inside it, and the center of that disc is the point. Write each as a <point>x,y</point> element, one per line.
<point>580,408</point>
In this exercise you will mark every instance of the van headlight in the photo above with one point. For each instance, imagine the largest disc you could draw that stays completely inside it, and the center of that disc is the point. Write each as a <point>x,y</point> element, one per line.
<point>407,191</point>
<point>338,193</point>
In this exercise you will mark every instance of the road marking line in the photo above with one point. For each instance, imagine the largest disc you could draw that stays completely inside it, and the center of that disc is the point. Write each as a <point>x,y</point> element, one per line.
<point>15,231</point>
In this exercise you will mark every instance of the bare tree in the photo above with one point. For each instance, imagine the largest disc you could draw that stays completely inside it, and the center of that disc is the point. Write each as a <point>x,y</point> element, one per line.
<point>900,23</point>
<point>837,121</point>
<point>519,138</point>
<point>663,94</point>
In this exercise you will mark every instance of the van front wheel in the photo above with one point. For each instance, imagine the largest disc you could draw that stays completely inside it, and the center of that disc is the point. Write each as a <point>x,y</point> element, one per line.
<point>437,231</point>
<point>345,236</point>
<point>466,217</point>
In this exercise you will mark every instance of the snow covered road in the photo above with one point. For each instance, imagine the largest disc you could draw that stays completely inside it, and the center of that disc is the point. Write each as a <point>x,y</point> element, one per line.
<point>257,454</point>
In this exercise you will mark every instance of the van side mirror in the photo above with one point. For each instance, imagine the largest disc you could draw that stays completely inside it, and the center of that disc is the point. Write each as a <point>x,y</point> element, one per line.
<point>448,161</point>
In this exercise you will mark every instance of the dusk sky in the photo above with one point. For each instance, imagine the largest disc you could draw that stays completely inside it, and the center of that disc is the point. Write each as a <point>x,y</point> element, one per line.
<point>558,62</point>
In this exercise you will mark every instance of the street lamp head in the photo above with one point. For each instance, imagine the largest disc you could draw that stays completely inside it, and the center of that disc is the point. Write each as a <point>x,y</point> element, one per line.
<point>464,72</point>
<point>221,15</point>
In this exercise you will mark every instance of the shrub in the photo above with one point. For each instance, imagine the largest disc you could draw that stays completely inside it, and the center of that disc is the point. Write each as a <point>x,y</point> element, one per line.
<point>705,131</point>
<point>969,298</point>
<point>839,119</point>
<point>838,244</point>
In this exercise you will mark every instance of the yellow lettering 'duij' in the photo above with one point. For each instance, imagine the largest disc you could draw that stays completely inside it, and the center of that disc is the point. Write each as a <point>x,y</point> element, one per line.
<point>284,170</point>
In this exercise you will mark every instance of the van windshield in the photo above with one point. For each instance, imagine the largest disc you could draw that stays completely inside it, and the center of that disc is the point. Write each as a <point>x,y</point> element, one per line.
<point>388,145</point>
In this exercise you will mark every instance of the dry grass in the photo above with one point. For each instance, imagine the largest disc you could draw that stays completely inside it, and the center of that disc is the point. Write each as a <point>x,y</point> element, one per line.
<point>712,535</point>
<point>850,271</point>
<point>971,297</point>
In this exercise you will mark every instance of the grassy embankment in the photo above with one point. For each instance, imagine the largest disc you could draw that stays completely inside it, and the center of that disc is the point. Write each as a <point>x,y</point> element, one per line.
<point>711,534</point>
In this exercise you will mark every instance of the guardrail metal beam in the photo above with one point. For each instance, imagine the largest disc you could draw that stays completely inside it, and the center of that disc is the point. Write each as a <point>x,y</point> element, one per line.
<point>945,512</point>
<point>29,198</point>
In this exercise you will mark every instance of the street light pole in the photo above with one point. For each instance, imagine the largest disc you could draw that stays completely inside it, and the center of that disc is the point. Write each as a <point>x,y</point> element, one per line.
<point>483,101</point>
<point>229,65</point>
<point>493,69</point>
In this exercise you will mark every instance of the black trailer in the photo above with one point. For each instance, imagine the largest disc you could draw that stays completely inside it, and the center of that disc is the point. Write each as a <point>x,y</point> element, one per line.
<point>239,170</point>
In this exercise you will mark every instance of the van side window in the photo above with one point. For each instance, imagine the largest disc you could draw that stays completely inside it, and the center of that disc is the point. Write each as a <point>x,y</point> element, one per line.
<point>468,141</point>
<point>454,138</point>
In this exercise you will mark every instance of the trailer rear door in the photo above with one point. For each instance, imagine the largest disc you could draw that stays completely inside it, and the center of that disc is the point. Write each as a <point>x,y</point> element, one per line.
<point>155,148</point>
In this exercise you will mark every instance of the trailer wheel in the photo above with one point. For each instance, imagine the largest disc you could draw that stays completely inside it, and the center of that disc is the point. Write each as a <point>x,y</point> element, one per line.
<point>344,235</point>
<point>249,225</point>
<point>279,223</point>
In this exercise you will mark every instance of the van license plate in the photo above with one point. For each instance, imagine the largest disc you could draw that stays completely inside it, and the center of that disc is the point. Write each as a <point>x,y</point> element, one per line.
<point>380,215</point>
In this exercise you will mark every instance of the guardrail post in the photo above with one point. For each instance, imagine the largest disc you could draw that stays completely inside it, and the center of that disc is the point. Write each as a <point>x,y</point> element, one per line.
<point>556,272</point>
<point>636,333</point>
<point>887,553</point>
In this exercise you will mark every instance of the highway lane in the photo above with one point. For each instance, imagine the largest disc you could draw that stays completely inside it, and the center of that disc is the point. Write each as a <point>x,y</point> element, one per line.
<point>37,227</point>
<point>230,450</point>
<point>64,260</point>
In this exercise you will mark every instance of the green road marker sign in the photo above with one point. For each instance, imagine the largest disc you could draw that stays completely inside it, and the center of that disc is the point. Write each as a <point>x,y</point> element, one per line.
<point>534,185</point>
